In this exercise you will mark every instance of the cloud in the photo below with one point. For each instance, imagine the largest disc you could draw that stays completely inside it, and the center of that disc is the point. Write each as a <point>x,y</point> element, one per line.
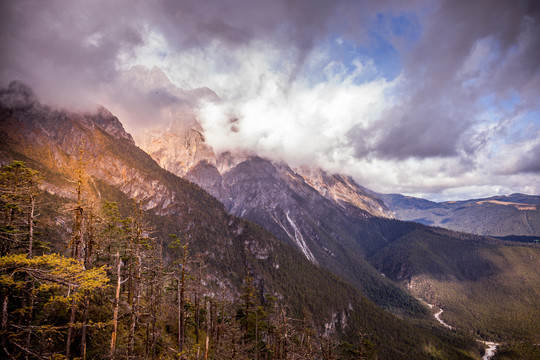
<point>419,97</point>
<point>467,52</point>
<point>64,50</point>
<point>304,124</point>
<point>526,161</point>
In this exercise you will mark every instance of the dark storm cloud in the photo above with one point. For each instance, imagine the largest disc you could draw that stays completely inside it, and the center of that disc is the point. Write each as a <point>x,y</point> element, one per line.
<point>69,52</point>
<point>469,50</point>
<point>62,49</point>
<point>67,49</point>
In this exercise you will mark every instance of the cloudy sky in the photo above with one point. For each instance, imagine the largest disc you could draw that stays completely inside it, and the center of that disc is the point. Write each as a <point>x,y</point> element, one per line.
<point>439,99</point>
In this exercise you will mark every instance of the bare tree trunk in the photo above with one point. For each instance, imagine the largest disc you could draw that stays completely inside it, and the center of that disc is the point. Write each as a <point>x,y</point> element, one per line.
<point>116,303</point>
<point>31,226</point>
<point>84,326</point>
<point>157,299</point>
<point>150,301</point>
<point>181,300</point>
<point>5,304</point>
<point>135,304</point>
<point>207,330</point>
<point>131,342</point>
<point>154,331</point>
<point>197,320</point>
<point>180,316</point>
<point>76,251</point>
<point>198,293</point>
<point>30,255</point>
<point>89,242</point>
<point>30,316</point>
<point>256,334</point>
<point>71,328</point>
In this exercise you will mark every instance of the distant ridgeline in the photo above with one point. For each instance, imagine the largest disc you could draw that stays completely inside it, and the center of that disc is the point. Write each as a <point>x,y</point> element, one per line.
<point>513,217</point>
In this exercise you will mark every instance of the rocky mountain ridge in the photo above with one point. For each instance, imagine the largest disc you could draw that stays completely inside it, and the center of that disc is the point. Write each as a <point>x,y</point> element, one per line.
<point>337,224</point>
<point>323,215</point>
<point>185,153</point>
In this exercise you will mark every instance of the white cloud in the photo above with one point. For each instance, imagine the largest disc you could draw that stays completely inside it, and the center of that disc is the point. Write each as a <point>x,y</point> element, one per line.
<point>281,72</point>
<point>265,109</point>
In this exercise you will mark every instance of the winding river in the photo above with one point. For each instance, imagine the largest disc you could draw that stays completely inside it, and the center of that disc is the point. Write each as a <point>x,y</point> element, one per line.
<point>490,351</point>
<point>438,316</point>
<point>491,346</point>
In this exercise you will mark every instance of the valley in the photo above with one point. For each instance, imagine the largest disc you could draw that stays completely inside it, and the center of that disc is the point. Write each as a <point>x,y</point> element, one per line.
<point>320,244</point>
<point>270,180</point>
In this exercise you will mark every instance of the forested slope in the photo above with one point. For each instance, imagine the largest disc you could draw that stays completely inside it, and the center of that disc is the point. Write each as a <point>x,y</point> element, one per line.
<point>106,279</point>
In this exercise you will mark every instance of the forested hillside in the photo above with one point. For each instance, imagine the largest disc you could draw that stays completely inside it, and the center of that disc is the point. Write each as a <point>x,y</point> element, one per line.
<point>106,255</point>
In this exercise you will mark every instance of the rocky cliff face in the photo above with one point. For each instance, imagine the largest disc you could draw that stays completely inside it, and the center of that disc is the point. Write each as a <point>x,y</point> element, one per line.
<point>286,201</point>
<point>178,150</point>
<point>52,139</point>
<point>343,189</point>
<point>176,139</point>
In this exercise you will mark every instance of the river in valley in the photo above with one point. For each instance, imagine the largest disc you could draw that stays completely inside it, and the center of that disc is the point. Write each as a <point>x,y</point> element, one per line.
<point>491,346</point>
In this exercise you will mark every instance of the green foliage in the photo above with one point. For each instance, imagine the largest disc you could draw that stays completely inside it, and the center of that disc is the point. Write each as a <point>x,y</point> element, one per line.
<point>270,327</point>
<point>38,292</point>
<point>52,270</point>
<point>486,287</point>
<point>18,193</point>
<point>517,350</point>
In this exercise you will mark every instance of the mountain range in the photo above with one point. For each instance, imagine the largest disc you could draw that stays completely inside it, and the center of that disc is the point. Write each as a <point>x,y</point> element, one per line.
<point>507,215</point>
<point>321,240</point>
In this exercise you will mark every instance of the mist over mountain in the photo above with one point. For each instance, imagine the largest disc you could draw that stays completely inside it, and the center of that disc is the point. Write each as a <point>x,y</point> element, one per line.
<point>396,95</point>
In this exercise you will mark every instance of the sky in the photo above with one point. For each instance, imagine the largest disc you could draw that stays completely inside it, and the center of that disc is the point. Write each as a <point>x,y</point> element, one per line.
<point>432,98</point>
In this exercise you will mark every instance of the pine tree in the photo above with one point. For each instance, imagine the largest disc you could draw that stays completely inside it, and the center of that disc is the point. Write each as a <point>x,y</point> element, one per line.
<point>19,190</point>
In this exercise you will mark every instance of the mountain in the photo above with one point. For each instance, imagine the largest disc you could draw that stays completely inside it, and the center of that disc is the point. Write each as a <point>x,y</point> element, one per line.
<point>324,216</point>
<point>350,231</point>
<point>510,215</point>
<point>311,210</point>
<point>52,140</point>
<point>324,222</point>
